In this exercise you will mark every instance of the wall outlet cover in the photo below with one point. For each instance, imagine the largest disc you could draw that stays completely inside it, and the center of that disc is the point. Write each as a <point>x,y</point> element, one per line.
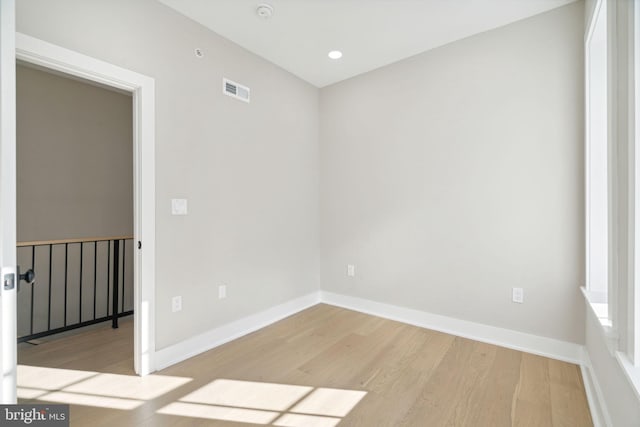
<point>517,295</point>
<point>351,270</point>
<point>176,304</point>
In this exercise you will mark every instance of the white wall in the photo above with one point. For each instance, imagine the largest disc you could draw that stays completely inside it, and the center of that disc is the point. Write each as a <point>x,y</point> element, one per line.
<point>453,176</point>
<point>249,171</point>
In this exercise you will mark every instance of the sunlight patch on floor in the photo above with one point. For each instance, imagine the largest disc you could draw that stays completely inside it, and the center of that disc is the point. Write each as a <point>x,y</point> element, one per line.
<point>329,401</point>
<point>283,405</point>
<point>223,413</point>
<point>91,400</point>
<point>30,393</point>
<point>132,387</point>
<point>297,420</point>
<point>248,394</point>
<point>93,388</point>
<point>36,377</point>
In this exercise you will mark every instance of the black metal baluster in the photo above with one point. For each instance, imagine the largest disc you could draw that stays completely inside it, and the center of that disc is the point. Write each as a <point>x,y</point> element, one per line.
<point>33,267</point>
<point>80,299</point>
<point>124,247</point>
<point>95,276</point>
<point>116,256</point>
<point>50,271</point>
<point>116,277</point>
<point>108,273</point>
<point>66,275</point>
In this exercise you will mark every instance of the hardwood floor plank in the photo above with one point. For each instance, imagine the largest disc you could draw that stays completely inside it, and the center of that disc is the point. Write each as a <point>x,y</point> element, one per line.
<point>399,384</point>
<point>448,389</point>
<point>567,409</point>
<point>532,400</point>
<point>490,402</point>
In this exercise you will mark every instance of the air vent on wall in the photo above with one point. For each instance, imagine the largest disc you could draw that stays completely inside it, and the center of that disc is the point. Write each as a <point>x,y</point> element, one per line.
<point>235,90</point>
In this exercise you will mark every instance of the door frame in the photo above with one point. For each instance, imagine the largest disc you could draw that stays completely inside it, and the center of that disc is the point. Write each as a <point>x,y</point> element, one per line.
<point>8,341</point>
<point>142,88</point>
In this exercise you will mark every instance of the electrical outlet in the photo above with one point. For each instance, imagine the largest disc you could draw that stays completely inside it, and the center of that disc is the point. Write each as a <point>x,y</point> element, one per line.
<point>222,291</point>
<point>178,206</point>
<point>176,304</point>
<point>517,295</point>
<point>351,270</point>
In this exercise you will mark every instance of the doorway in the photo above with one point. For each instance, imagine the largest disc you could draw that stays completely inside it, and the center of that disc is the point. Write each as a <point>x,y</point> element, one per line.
<point>59,60</point>
<point>74,175</point>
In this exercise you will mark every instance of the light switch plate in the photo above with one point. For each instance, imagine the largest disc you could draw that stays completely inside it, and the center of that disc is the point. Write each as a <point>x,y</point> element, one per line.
<point>178,206</point>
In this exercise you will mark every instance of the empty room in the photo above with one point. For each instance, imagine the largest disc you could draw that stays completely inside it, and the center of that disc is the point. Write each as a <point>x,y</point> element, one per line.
<point>320,213</point>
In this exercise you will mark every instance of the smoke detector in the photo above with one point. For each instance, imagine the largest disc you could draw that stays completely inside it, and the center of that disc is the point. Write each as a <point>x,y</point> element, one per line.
<point>264,10</point>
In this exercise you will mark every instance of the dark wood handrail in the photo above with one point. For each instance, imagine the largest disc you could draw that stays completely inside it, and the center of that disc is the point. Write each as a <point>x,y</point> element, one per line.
<point>76,240</point>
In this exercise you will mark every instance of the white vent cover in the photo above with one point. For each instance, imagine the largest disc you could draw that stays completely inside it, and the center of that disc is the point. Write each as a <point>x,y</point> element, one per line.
<point>236,90</point>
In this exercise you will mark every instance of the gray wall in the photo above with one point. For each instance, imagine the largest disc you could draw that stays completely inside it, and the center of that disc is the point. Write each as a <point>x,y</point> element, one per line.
<point>74,158</point>
<point>249,171</point>
<point>453,176</point>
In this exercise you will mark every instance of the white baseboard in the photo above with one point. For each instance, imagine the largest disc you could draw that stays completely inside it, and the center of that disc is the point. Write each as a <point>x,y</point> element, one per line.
<point>543,346</point>
<point>597,406</point>
<point>231,331</point>
<point>548,347</point>
<point>521,341</point>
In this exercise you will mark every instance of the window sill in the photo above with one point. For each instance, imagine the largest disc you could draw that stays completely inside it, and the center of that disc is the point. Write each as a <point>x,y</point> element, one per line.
<point>598,303</point>
<point>600,309</point>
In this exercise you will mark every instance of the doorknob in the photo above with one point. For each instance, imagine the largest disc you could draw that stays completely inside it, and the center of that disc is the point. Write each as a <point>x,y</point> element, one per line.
<point>28,276</point>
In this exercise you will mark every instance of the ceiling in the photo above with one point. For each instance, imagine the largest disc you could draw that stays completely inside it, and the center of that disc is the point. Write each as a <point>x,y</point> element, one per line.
<point>370,33</point>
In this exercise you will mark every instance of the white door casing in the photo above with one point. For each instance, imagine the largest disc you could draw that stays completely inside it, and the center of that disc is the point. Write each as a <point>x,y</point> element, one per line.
<point>142,88</point>
<point>8,343</point>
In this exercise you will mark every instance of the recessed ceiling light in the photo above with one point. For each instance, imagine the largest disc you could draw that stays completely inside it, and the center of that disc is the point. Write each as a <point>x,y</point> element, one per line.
<point>335,54</point>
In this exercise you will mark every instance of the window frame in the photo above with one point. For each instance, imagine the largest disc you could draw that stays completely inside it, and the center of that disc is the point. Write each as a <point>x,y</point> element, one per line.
<point>598,296</point>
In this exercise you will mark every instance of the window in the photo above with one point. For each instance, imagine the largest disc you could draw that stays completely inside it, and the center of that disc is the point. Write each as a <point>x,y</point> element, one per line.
<point>612,174</point>
<point>597,167</point>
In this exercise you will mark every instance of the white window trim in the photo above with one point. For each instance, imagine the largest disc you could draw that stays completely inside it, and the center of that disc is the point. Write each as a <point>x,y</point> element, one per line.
<point>633,352</point>
<point>601,302</point>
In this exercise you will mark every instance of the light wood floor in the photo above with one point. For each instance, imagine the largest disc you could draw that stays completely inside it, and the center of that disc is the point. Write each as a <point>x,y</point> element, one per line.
<point>325,366</point>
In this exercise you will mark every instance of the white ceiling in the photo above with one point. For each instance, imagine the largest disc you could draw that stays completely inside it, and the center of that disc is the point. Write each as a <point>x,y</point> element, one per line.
<point>370,33</point>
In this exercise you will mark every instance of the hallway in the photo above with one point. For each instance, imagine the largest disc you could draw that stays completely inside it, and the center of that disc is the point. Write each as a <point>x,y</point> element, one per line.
<point>96,348</point>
